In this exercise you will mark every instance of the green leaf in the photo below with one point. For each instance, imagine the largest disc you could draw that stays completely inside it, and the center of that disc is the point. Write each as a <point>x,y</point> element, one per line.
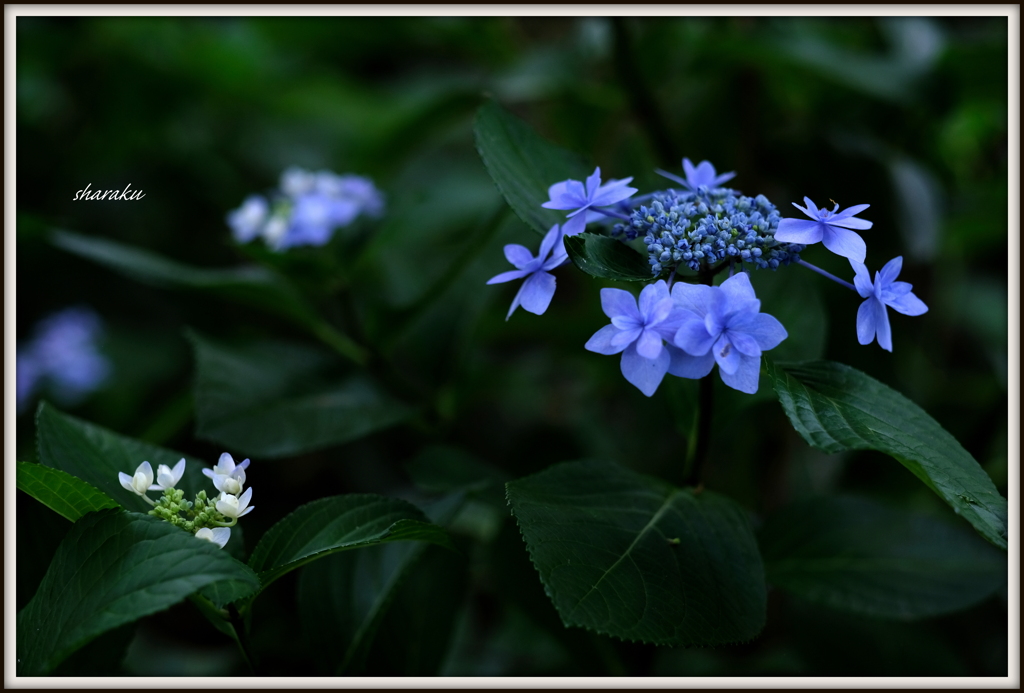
<point>524,165</point>
<point>274,399</point>
<point>857,555</point>
<point>115,567</point>
<point>96,455</point>
<point>835,408</point>
<point>607,258</point>
<point>633,557</point>
<point>344,598</point>
<point>339,523</point>
<point>442,469</point>
<point>252,285</point>
<point>66,495</point>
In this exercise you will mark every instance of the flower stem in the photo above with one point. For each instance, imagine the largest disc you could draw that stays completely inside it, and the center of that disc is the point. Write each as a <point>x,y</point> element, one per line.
<point>609,213</point>
<point>242,636</point>
<point>823,273</point>
<point>694,469</point>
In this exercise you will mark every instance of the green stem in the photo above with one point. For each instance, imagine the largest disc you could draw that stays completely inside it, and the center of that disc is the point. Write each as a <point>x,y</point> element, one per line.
<point>242,636</point>
<point>697,452</point>
<point>341,343</point>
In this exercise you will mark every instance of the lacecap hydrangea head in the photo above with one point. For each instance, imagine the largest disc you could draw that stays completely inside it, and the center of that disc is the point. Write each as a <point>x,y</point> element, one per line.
<point>696,230</point>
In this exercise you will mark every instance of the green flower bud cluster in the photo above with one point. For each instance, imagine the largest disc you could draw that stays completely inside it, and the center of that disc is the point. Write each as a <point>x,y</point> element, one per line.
<point>197,514</point>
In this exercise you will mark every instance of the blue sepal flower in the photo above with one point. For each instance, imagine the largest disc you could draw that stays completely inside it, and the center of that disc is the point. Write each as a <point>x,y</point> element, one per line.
<point>829,227</point>
<point>723,325</point>
<point>571,194</point>
<point>539,287</point>
<point>638,331</point>
<point>696,176</point>
<point>872,317</point>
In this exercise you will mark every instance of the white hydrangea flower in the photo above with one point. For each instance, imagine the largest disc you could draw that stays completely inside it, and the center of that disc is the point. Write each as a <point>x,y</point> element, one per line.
<point>228,477</point>
<point>218,536</point>
<point>167,478</point>
<point>234,507</point>
<point>140,482</point>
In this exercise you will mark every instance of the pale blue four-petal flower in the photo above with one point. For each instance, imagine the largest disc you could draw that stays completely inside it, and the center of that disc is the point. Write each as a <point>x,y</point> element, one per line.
<point>571,194</point>
<point>539,286</point>
<point>723,325</point>
<point>702,174</point>
<point>872,317</point>
<point>830,227</point>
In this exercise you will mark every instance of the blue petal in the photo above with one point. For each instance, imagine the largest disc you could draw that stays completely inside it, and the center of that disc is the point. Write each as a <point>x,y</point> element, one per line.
<point>908,304</point>
<point>575,225</point>
<point>616,302</point>
<point>651,297</point>
<point>550,238</point>
<point>862,279</point>
<point>645,374</point>
<point>746,376</point>
<point>767,331</point>
<point>649,344</point>
<point>890,271</point>
<point>560,197</point>
<point>626,337</point>
<point>744,343</point>
<point>518,255</point>
<point>537,291</point>
<point>726,355</point>
<point>693,338</point>
<point>693,297</point>
<point>802,231</point>
<point>683,365</point>
<point>601,342</point>
<point>593,183</point>
<point>738,288</point>
<point>848,212</point>
<point>843,242</point>
<point>507,276</point>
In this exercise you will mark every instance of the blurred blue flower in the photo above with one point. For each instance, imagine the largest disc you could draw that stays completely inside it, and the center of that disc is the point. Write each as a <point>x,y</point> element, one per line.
<point>829,227</point>
<point>724,325</point>
<point>539,287</point>
<point>309,207</point>
<point>247,221</point>
<point>638,330</point>
<point>63,358</point>
<point>703,174</point>
<point>872,317</point>
<point>571,194</point>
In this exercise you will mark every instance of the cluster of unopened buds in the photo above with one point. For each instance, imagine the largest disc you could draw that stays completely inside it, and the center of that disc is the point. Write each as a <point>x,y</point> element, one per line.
<point>207,518</point>
<point>684,329</point>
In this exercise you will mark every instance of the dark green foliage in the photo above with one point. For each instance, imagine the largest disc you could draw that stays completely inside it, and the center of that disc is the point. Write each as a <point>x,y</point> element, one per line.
<point>858,555</point>
<point>835,408</point>
<point>607,258</point>
<point>630,556</point>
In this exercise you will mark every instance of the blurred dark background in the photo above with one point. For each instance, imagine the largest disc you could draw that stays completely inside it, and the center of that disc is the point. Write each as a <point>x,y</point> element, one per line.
<point>907,114</point>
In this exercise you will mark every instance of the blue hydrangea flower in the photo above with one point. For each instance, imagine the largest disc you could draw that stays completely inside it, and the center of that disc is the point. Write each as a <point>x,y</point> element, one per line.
<point>872,317</point>
<point>570,194</point>
<point>247,221</point>
<point>829,227</point>
<point>539,287</point>
<point>307,210</point>
<point>724,325</point>
<point>638,331</point>
<point>703,174</point>
<point>63,357</point>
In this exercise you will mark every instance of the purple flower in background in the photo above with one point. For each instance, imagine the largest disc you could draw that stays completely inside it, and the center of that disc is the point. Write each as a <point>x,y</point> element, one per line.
<point>571,194</point>
<point>724,325</point>
<point>638,330</point>
<point>829,227</point>
<point>537,290</point>
<point>701,174</point>
<point>63,357</point>
<point>872,317</point>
